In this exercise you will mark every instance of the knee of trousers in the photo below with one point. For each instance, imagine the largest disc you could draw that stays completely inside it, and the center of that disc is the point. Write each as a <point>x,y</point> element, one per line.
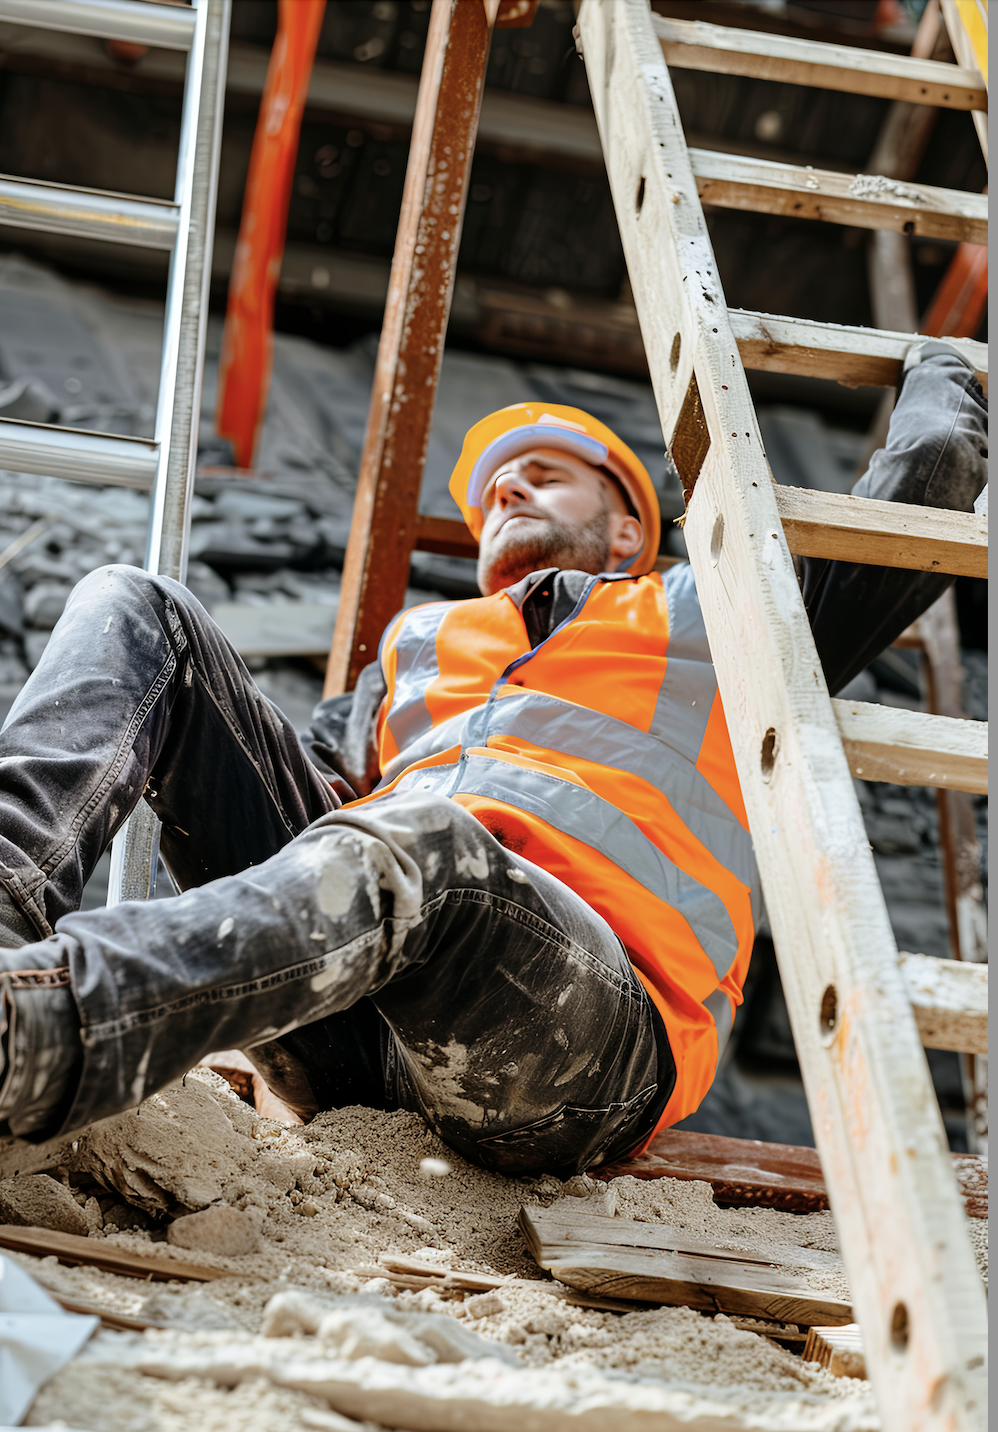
<point>117,582</point>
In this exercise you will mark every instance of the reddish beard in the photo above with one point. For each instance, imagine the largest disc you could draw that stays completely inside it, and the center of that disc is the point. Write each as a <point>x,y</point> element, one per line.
<point>512,554</point>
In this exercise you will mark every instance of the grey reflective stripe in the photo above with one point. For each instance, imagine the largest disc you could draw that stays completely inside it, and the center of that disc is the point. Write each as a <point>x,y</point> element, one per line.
<point>686,695</point>
<point>687,633</point>
<point>416,666</point>
<point>588,818</point>
<point>719,1006</point>
<point>577,731</point>
<point>455,731</point>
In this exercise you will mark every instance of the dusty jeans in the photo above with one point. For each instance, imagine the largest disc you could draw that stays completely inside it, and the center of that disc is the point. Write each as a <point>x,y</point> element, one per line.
<point>391,953</point>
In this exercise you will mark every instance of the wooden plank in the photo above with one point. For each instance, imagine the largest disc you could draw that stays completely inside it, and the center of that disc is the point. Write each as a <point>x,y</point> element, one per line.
<point>950,1001</point>
<point>695,45</point>
<point>885,534</point>
<point>876,1119</point>
<point>619,1258</point>
<point>913,748</point>
<point>838,1350</point>
<point>751,1173</point>
<point>864,201</point>
<point>851,356</point>
<point>97,1253</point>
<point>383,531</point>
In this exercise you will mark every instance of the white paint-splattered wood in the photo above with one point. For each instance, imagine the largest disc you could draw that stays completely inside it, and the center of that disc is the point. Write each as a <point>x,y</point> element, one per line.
<point>865,201</point>
<point>913,748</point>
<point>621,1258</point>
<point>886,534</point>
<point>876,1120</point>
<point>852,356</point>
<point>696,45</point>
<point>950,1001</point>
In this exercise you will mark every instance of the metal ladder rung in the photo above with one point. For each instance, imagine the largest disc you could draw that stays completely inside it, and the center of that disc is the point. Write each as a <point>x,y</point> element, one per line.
<point>854,356</point>
<point>949,999</point>
<point>169,27</point>
<point>885,534</point>
<point>75,453</point>
<point>913,748</point>
<point>696,45</point>
<point>88,213</point>
<point>865,201</point>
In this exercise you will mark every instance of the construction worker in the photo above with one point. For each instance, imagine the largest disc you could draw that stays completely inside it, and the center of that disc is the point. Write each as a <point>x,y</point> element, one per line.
<point>531,917</point>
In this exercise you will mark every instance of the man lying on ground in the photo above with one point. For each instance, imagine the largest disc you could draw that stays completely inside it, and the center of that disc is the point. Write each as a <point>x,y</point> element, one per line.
<point>534,924</point>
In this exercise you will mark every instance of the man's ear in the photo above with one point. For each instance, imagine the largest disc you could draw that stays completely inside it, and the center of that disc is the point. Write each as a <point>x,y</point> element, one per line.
<point>626,539</point>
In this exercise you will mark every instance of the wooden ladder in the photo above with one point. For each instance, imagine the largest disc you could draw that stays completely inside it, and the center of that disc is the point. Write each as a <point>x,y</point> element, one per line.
<point>916,1290</point>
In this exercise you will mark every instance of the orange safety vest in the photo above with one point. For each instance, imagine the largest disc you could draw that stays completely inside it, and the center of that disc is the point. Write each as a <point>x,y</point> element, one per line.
<point>602,755</point>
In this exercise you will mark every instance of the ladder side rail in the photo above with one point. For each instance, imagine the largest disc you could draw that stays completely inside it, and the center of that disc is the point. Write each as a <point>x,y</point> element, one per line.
<point>136,846</point>
<point>168,27</point>
<point>786,59</point>
<point>877,1123</point>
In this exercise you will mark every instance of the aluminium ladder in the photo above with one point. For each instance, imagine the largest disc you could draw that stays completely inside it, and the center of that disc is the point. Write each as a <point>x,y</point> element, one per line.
<point>915,1287</point>
<point>163,465</point>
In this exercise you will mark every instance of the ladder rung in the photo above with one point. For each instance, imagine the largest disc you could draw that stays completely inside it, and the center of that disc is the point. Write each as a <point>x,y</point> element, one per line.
<point>913,748</point>
<point>865,201</point>
<point>695,45</point>
<point>169,27</point>
<point>88,213</point>
<point>949,999</point>
<point>884,534</point>
<point>853,356</point>
<point>82,456</point>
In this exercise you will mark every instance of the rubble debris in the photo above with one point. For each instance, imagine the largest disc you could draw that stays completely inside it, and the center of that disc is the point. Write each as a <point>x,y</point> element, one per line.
<point>40,1201</point>
<point>217,1229</point>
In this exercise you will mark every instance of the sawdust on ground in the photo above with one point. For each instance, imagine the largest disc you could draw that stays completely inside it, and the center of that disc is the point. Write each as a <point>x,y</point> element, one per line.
<point>326,1201</point>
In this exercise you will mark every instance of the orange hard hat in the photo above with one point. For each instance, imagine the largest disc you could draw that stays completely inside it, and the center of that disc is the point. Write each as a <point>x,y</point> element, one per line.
<point>515,430</point>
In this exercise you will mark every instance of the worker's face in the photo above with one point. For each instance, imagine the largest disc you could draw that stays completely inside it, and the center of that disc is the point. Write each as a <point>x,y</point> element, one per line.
<point>549,509</point>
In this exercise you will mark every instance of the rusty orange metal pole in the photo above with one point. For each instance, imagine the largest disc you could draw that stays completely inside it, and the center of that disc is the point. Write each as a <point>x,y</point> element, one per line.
<point>247,344</point>
<point>383,533</point>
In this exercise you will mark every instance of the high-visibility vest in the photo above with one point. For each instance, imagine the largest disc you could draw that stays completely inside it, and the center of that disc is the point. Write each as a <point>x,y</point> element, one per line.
<point>602,755</point>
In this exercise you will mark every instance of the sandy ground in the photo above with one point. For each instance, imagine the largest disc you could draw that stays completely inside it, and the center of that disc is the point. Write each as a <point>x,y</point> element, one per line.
<point>316,1208</point>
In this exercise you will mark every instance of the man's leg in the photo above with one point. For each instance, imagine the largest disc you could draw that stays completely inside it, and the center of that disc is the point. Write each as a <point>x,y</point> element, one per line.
<point>137,691</point>
<point>519,1028</point>
<point>936,456</point>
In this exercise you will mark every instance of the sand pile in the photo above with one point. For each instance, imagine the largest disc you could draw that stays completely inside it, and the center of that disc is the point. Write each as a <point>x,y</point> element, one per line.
<point>309,1327</point>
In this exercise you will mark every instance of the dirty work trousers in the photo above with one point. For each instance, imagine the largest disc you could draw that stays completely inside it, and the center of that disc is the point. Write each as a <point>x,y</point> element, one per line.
<point>392,954</point>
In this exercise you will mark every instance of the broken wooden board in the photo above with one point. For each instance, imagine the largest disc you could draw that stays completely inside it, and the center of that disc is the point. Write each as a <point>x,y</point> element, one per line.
<point>838,1350</point>
<point>97,1253</point>
<point>751,1173</point>
<point>651,1263</point>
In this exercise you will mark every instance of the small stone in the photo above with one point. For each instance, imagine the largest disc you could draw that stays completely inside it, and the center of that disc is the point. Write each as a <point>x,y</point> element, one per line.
<point>484,1305</point>
<point>308,1208</point>
<point>434,1168</point>
<point>218,1229</point>
<point>38,1201</point>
